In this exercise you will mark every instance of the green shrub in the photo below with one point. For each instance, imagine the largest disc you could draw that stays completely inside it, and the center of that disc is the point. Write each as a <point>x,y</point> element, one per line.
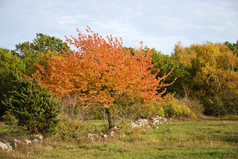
<point>147,109</point>
<point>230,102</point>
<point>132,112</point>
<point>175,108</point>
<point>170,107</point>
<point>221,104</point>
<point>34,108</point>
<point>194,105</point>
<point>9,65</point>
<point>70,130</point>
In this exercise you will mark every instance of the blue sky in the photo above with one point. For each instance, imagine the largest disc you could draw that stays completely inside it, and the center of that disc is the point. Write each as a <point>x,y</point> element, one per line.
<point>158,23</point>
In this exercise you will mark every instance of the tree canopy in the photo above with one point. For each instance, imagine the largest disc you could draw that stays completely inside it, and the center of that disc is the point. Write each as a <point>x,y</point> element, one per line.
<point>100,69</point>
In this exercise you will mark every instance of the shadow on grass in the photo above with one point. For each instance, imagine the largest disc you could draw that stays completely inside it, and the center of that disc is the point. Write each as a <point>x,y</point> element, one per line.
<point>231,139</point>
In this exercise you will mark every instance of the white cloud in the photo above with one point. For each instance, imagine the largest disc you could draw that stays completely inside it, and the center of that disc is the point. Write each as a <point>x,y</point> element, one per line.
<point>66,20</point>
<point>132,36</point>
<point>158,23</point>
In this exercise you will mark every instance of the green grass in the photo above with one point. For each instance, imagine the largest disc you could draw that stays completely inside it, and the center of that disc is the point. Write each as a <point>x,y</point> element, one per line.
<point>96,126</point>
<point>195,139</point>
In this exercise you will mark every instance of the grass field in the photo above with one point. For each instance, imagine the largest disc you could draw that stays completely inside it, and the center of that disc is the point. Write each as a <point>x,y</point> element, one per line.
<point>193,139</point>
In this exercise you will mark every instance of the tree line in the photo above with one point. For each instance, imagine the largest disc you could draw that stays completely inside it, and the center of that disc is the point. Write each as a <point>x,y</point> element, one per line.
<point>104,74</point>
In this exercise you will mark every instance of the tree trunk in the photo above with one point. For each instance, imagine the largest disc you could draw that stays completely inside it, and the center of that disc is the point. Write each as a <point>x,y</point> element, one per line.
<point>109,118</point>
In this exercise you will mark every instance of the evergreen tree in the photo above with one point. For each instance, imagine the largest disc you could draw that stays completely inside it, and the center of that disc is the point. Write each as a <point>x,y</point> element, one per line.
<point>34,108</point>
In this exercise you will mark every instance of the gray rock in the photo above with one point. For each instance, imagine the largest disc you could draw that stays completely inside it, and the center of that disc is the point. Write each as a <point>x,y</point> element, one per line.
<point>27,141</point>
<point>92,137</point>
<point>35,140</point>
<point>142,122</point>
<point>3,146</point>
<point>17,141</point>
<point>115,128</point>
<point>9,145</point>
<point>112,134</point>
<point>38,137</point>
<point>134,125</point>
<point>158,121</point>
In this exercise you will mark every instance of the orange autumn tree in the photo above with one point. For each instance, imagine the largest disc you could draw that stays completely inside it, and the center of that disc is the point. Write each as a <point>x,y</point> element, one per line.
<point>100,69</point>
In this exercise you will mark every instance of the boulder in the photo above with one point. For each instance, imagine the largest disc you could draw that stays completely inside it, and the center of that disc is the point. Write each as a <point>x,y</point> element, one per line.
<point>92,137</point>
<point>140,123</point>
<point>27,141</point>
<point>35,140</point>
<point>3,146</point>
<point>38,137</point>
<point>104,135</point>
<point>112,134</point>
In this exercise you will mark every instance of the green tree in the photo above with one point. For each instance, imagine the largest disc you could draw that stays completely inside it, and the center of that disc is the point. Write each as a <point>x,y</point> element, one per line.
<point>9,65</point>
<point>233,47</point>
<point>31,53</point>
<point>213,69</point>
<point>181,72</point>
<point>34,108</point>
<point>212,66</point>
<point>42,43</point>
